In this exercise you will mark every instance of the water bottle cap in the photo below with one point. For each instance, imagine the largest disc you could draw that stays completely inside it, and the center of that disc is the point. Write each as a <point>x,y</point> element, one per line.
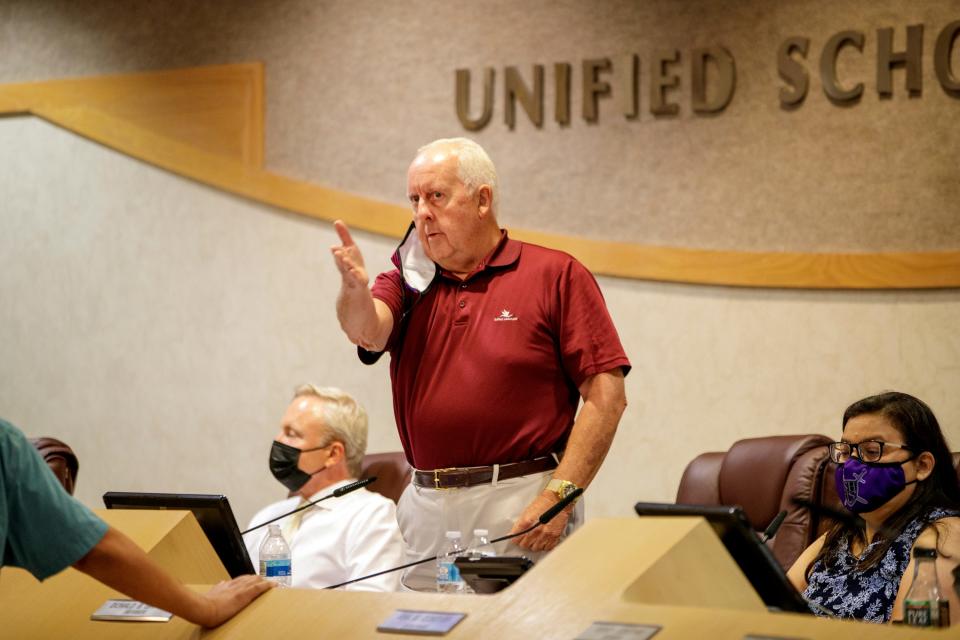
<point>274,528</point>
<point>452,534</point>
<point>480,532</point>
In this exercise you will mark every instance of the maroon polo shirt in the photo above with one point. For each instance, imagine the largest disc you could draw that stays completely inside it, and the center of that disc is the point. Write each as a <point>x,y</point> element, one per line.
<point>487,369</point>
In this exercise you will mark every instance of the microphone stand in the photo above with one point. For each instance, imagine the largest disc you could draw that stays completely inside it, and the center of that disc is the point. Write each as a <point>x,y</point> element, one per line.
<point>544,518</point>
<point>847,518</point>
<point>336,493</point>
<point>773,527</point>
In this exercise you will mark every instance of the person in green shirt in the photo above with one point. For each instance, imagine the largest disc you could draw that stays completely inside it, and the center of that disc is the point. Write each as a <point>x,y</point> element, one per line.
<point>44,530</point>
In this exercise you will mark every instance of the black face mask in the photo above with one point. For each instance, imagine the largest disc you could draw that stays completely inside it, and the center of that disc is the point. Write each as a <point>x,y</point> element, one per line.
<point>284,465</point>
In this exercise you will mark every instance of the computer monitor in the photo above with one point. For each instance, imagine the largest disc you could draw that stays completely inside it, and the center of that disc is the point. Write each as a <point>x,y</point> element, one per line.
<point>752,556</point>
<point>212,512</point>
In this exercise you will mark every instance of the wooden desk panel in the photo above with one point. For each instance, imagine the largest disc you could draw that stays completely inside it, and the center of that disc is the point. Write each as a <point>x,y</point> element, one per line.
<point>618,570</point>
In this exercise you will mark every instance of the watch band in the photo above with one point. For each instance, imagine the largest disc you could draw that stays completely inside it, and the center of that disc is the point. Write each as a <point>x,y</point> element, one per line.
<point>562,488</point>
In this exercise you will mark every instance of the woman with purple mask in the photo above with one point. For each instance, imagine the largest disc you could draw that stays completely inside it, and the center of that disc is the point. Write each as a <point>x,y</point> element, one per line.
<point>895,472</point>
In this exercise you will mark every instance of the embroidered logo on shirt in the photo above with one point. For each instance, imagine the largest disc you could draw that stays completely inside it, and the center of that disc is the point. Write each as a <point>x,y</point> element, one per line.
<point>506,316</point>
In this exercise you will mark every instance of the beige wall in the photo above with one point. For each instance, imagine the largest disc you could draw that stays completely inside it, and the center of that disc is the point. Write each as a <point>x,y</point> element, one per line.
<point>353,87</point>
<point>159,326</point>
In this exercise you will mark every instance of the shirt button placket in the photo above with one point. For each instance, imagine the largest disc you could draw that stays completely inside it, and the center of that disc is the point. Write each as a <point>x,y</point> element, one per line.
<point>463,302</point>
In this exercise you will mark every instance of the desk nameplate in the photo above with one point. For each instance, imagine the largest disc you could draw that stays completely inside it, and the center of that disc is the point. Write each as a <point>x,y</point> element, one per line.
<point>619,631</point>
<point>130,611</point>
<point>421,623</point>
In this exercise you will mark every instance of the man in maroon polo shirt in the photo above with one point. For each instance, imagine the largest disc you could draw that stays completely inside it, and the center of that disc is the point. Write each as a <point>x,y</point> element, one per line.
<point>493,343</point>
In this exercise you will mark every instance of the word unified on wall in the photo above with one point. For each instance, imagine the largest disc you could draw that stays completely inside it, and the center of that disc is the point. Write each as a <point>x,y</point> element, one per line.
<point>711,75</point>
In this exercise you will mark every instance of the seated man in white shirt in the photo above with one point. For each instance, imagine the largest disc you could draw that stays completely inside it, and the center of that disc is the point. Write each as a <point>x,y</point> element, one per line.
<point>320,446</point>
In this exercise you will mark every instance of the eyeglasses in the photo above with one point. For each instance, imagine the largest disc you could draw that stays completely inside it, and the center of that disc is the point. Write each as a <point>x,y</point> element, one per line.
<point>867,451</point>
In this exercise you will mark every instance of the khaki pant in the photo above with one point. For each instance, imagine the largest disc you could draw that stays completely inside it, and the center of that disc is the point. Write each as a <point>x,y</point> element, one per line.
<point>425,515</point>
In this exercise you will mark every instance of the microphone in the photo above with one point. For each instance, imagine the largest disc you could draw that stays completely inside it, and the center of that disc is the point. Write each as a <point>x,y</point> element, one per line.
<point>847,518</point>
<point>555,510</point>
<point>773,527</point>
<point>353,486</point>
<point>544,518</point>
<point>339,491</point>
<point>841,516</point>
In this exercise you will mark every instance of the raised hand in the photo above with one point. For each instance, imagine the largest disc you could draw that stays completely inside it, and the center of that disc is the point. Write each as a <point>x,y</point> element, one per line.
<point>367,322</point>
<point>348,259</point>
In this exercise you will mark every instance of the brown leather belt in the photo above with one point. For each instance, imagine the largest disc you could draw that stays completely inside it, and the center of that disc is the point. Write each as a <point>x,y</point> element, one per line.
<point>456,477</point>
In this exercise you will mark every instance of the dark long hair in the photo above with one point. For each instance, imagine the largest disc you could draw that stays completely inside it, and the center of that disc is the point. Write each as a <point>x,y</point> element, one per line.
<point>921,432</point>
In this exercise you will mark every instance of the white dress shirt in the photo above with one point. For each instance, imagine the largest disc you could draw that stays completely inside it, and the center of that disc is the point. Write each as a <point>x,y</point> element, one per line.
<point>339,539</point>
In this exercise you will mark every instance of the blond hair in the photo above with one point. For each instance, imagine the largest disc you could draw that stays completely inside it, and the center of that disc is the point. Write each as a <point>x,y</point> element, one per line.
<point>346,420</point>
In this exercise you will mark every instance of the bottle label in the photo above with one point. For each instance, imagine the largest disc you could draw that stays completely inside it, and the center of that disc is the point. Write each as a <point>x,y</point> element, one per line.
<point>917,613</point>
<point>944,613</point>
<point>275,568</point>
<point>448,572</point>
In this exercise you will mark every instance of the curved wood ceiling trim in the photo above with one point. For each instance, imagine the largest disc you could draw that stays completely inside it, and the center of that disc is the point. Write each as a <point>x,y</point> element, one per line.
<point>206,124</point>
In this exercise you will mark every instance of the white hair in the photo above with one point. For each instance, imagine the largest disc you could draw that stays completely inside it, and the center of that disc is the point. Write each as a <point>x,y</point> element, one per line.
<point>474,166</point>
<point>346,420</point>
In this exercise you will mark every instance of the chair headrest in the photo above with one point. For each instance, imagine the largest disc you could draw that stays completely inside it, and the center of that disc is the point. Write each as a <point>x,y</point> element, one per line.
<point>61,460</point>
<point>755,470</point>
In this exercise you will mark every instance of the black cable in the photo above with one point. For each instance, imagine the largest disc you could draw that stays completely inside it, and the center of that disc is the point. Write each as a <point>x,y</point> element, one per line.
<point>544,518</point>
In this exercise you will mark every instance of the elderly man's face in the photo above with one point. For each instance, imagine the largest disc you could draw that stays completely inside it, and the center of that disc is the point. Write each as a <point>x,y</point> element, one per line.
<point>449,220</point>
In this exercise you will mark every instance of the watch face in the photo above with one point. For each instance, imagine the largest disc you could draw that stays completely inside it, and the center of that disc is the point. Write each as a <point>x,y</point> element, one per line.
<point>566,490</point>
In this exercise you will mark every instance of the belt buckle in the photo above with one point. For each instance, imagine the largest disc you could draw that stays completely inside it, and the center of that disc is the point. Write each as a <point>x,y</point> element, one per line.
<point>436,478</point>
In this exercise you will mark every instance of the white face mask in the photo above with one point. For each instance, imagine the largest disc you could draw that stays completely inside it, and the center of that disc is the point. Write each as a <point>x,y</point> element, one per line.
<point>417,270</point>
<point>417,273</point>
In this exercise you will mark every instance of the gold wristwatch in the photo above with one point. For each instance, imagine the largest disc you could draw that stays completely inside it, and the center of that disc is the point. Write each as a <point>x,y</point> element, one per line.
<point>562,488</point>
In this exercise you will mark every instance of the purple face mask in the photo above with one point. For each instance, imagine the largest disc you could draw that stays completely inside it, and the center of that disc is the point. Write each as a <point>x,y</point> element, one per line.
<point>866,486</point>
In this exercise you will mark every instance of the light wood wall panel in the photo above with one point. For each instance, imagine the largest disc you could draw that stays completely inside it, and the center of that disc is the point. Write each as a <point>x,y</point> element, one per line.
<point>207,124</point>
<point>354,88</point>
<point>217,110</point>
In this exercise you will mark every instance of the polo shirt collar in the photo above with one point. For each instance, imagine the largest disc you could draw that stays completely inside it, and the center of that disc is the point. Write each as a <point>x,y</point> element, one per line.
<point>418,271</point>
<point>504,254</point>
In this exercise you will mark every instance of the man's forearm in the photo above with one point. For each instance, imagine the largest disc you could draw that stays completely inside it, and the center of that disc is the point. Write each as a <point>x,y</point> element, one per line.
<point>358,317</point>
<point>594,429</point>
<point>590,438</point>
<point>589,441</point>
<point>120,564</point>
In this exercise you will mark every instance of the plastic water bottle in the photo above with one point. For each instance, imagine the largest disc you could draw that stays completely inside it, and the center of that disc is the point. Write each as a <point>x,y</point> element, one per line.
<point>448,576</point>
<point>275,561</point>
<point>480,547</point>
<point>924,605</point>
